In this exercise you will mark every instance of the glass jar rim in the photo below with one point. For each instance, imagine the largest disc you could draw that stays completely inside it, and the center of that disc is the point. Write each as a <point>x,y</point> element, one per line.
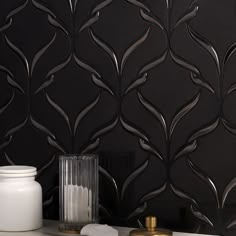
<point>78,156</point>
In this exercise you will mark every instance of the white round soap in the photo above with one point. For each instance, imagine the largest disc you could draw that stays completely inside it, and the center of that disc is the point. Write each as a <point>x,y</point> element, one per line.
<point>98,230</point>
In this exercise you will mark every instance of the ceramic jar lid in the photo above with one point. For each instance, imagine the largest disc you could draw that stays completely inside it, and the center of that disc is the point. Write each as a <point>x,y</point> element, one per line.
<point>17,171</point>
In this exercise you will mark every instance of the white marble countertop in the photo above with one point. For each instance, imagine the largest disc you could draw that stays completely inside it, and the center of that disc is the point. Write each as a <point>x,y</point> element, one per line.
<point>50,228</point>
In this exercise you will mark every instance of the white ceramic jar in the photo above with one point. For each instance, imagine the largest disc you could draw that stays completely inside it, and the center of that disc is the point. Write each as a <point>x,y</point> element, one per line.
<point>20,199</point>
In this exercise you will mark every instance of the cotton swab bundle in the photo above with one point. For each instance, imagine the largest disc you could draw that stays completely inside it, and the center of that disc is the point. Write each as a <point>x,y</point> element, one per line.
<point>77,204</point>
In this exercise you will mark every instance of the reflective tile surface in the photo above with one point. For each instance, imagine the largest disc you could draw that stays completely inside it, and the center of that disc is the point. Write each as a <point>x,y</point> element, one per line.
<point>149,85</point>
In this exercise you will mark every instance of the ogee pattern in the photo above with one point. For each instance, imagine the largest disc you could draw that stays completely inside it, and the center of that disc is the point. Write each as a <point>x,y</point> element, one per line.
<point>149,85</point>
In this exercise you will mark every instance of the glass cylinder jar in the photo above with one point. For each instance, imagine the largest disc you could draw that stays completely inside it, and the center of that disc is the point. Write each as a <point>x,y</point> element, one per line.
<point>78,191</point>
<point>20,199</point>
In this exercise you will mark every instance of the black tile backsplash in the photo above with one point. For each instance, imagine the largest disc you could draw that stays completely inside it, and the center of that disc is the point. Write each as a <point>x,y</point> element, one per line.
<point>149,85</point>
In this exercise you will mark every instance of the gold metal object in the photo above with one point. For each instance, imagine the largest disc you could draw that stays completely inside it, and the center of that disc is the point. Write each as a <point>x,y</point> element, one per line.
<point>151,230</point>
<point>68,229</point>
<point>70,232</point>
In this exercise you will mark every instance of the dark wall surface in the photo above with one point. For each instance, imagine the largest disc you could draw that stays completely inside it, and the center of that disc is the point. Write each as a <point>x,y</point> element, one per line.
<point>149,85</point>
